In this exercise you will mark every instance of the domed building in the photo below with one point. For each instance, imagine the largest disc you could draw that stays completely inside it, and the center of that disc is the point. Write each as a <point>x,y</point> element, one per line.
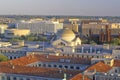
<point>66,38</point>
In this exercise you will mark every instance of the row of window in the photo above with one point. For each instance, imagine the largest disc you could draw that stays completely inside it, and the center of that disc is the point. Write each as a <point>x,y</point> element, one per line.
<point>88,51</point>
<point>7,51</point>
<point>81,56</point>
<point>20,78</point>
<point>14,78</point>
<point>61,66</point>
<point>13,57</point>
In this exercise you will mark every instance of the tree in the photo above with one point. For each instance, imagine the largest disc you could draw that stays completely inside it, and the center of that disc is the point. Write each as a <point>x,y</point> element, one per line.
<point>15,39</point>
<point>115,41</point>
<point>93,43</point>
<point>3,58</point>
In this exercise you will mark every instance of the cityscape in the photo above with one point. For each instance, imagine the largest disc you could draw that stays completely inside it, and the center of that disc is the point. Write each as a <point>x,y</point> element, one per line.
<point>66,40</point>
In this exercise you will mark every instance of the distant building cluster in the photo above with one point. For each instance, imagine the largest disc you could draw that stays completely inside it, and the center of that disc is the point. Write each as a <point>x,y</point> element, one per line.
<point>63,56</point>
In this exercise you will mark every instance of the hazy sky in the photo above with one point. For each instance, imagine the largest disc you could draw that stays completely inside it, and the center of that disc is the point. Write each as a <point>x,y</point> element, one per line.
<point>61,7</point>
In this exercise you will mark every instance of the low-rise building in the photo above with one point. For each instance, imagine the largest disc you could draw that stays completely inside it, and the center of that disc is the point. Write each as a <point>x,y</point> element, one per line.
<point>3,27</point>
<point>11,33</point>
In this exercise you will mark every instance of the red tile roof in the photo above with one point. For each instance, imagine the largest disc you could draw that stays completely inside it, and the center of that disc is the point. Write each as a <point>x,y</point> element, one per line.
<point>35,71</point>
<point>48,58</point>
<point>99,67</point>
<point>80,77</point>
<point>18,66</point>
<point>116,63</point>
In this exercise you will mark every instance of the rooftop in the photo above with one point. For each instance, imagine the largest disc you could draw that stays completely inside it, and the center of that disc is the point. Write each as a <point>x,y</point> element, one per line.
<point>116,63</point>
<point>48,58</point>
<point>80,77</point>
<point>99,67</point>
<point>35,71</point>
<point>18,66</point>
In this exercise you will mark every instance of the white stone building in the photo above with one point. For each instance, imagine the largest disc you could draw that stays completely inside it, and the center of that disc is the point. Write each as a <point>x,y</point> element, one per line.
<point>40,26</point>
<point>66,38</point>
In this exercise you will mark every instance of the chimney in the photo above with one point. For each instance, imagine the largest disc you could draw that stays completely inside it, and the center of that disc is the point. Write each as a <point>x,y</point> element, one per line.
<point>13,67</point>
<point>47,56</point>
<point>60,71</point>
<point>65,76</point>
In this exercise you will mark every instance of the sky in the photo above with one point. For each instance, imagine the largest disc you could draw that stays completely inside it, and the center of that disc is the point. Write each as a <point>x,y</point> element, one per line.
<point>60,7</point>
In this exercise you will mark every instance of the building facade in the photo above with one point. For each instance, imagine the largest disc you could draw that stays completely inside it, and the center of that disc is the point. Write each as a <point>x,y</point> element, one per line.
<point>37,27</point>
<point>11,33</point>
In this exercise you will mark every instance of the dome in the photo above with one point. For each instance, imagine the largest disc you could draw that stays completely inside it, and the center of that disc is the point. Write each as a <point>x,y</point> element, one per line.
<point>68,35</point>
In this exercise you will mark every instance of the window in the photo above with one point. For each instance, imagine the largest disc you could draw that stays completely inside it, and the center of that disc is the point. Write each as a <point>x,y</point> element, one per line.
<point>39,65</point>
<point>60,66</point>
<point>55,66</point>
<point>66,67</point>
<point>14,78</point>
<point>49,65</point>
<point>21,78</point>
<point>14,57</point>
<point>3,78</point>
<point>8,78</point>
<point>10,57</point>
<point>71,67</point>
<point>36,66</point>
<point>115,71</point>
<point>44,65</point>
<point>77,68</point>
<point>27,79</point>
<point>82,56</point>
<point>68,60</point>
<point>61,60</point>
<point>97,56</point>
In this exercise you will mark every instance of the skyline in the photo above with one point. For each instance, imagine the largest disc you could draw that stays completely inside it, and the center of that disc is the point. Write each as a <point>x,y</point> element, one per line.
<point>60,7</point>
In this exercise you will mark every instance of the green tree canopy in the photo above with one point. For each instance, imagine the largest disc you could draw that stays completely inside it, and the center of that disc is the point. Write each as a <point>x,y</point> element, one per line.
<point>3,58</point>
<point>115,41</point>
